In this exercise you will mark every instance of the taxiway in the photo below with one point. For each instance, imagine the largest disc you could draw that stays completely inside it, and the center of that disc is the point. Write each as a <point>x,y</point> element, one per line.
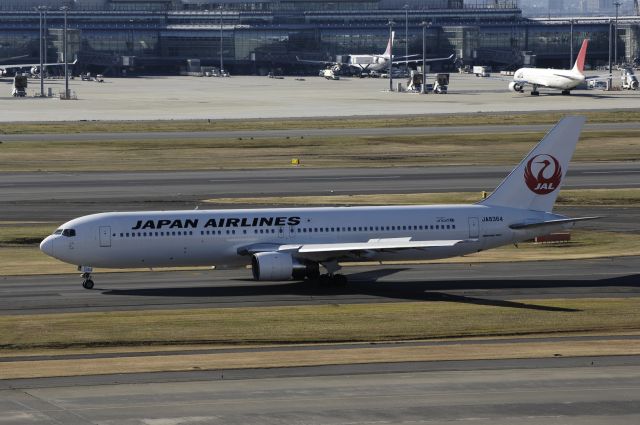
<point>588,390</point>
<point>484,283</point>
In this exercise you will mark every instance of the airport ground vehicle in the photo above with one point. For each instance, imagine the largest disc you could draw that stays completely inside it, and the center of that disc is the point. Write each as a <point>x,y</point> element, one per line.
<point>20,83</point>
<point>481,71</point>
<point>629,79</point>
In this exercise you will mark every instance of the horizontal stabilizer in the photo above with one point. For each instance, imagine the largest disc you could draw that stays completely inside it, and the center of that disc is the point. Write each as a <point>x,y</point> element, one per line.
<point>550,223</point>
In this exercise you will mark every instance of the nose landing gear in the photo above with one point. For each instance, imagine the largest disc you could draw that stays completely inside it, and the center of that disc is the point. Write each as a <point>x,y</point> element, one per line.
<point>87,283</point>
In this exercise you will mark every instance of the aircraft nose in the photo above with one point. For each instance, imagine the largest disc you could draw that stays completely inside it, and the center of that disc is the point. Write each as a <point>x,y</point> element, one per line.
<point>46,246</point>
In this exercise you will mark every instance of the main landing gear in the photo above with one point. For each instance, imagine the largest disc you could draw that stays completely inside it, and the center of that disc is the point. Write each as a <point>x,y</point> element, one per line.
<point>331,278</point>
<point>87,283</point>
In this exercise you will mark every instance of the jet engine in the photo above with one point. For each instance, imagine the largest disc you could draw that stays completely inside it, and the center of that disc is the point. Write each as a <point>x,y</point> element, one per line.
<point>515,87</point>
<point>275,266</point>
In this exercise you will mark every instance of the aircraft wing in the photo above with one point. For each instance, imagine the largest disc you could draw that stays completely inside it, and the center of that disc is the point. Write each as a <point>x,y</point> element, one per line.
<point>396,60</point>
<point>31,65</point>
<point>13,58</point>
<point>549,223</point>
<point>350,250</point>
<point>326,63</point>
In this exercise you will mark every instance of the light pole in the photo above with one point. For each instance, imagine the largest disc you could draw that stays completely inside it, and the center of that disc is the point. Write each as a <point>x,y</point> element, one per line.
<point>221,64</point>
<point>391,24</point>
<point>571,46</point>
<point>40,11</point>
<point>615,34</point>
<point>406,37</point>
<point>424,25</point>
<point>44,35</point>
<point>610,80</point>
<point>64,50</point>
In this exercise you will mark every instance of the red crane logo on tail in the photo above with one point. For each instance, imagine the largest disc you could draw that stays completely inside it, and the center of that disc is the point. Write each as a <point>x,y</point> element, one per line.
<point>543,174</point>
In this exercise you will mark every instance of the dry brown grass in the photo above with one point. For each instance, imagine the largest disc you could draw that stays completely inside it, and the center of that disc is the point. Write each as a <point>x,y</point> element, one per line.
<point>364,151</point>
<point>438,318</point>
<point>613,116</point>
<point>379,354</point>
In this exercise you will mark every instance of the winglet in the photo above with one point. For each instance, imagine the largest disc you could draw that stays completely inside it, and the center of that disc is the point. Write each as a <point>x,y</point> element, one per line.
<point>579,66</point>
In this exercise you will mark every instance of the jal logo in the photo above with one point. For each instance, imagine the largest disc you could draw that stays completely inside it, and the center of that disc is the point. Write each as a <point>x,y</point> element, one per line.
<point>543,174</point>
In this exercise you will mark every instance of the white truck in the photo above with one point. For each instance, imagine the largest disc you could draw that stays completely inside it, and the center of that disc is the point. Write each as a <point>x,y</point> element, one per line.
<point>481,71</point>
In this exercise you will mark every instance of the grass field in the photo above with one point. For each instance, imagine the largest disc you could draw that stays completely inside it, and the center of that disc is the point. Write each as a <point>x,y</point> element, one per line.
<point>302,123</point>
<point>362,151</point>
<point>441,317</point>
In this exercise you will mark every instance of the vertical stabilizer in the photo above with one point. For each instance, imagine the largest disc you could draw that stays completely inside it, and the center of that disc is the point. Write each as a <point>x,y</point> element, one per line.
<point>535,183</point>
<point>387,53</point>
<point>579,66</point>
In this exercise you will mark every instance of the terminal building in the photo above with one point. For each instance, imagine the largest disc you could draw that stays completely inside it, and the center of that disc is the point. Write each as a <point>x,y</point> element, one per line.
<point>256,37</point>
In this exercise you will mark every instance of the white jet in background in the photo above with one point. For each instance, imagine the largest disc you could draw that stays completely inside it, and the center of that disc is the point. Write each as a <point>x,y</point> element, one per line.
<point>293,243</point>
<point>366,63</point>
<point>559,79</point>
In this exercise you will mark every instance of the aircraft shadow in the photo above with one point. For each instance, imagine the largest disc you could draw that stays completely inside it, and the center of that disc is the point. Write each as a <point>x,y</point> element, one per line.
<point>366,284</point>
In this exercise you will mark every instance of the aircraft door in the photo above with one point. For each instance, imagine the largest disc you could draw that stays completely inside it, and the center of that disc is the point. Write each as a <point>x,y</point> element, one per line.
<point>105,236</point>
<point>474,231</point>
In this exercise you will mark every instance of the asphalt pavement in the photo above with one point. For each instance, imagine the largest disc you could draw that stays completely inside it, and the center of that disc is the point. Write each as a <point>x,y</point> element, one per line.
<point>569,391</point>
<point>62,196</point>
<point>484,283</point>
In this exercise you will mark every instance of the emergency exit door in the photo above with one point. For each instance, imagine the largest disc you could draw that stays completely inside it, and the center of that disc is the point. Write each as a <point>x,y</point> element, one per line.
<point>474,231</point>
<point>105,236</point>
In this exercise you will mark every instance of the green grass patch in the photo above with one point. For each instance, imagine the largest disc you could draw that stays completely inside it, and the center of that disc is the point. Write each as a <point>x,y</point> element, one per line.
<point>277,152</point>
<point>614,116</point>
<point>456,317</point>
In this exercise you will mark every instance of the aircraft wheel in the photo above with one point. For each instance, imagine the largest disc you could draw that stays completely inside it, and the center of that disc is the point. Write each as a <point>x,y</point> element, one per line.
<point>535,93</point>
<point>340,280</point>
<point>87,284</point>
<point>566,92</point>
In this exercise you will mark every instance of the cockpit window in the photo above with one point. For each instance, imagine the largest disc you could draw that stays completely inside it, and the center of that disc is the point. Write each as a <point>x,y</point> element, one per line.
<point>58,232</point>
<point>69,232</point>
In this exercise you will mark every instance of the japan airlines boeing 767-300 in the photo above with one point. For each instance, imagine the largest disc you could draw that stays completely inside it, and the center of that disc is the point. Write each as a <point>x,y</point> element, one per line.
<point>293,243</point>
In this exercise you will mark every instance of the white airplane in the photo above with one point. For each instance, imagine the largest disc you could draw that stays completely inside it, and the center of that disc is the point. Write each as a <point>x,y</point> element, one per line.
<point>293,243</point>
<point>33,67</point>
<point>373,62</point>
<point>560,79</point>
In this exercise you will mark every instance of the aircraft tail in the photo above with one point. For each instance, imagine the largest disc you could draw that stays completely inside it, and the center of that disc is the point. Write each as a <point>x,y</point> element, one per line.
<point>535,183</point>
<point>387,53</point>
<point>579,65</point>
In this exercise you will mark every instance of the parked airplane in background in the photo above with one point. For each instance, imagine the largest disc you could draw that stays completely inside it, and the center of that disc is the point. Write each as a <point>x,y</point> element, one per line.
<point>284,244</point>
<point>373,62</point>
<point>34,68</point>
<point>560,79</point>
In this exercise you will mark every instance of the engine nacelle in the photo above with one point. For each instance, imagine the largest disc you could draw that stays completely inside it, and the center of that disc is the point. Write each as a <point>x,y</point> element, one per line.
<point>35,70</point>
<point>277,266</point>
<point>515,87</point>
